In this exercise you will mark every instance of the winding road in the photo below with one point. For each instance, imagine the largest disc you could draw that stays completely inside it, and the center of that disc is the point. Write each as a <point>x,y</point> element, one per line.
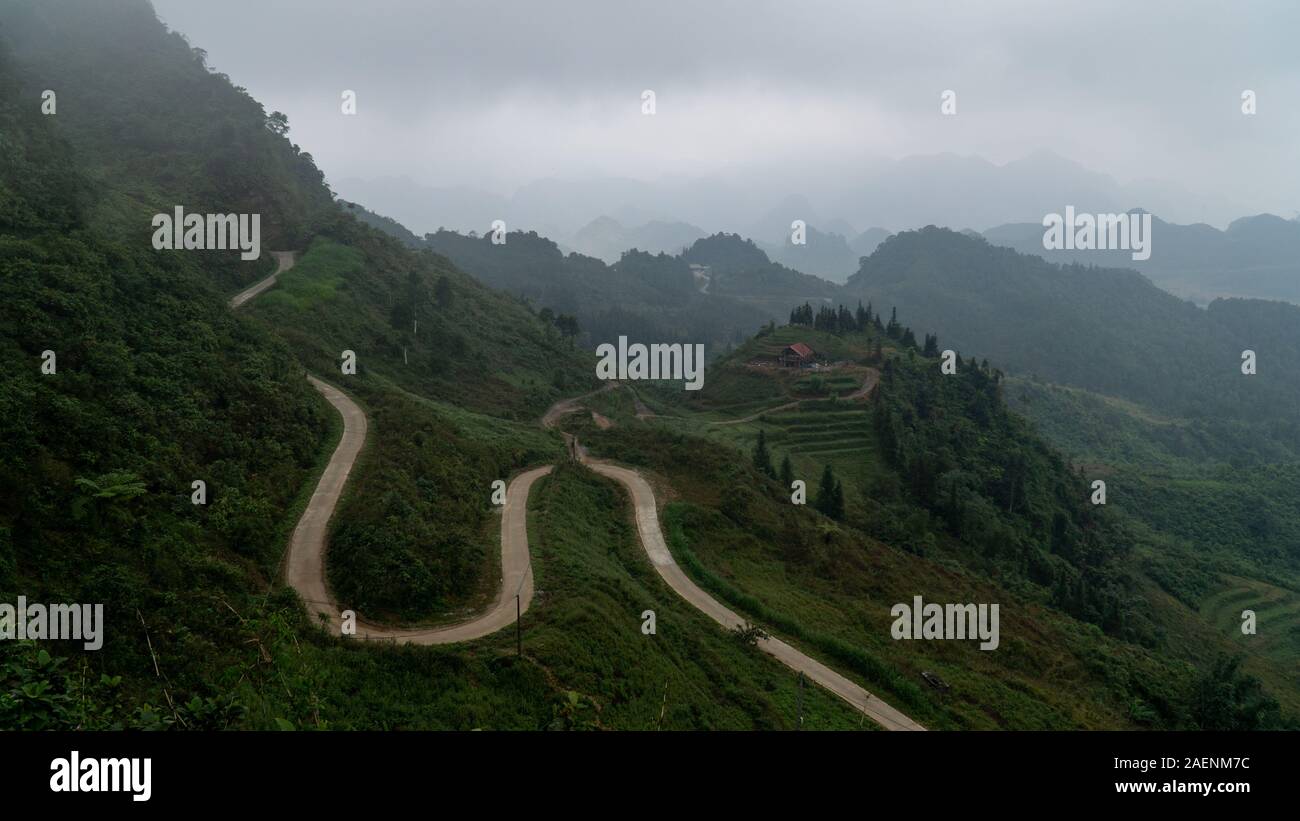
<point>285,260</point>
<point>305,566</point>
<point>652,539</point>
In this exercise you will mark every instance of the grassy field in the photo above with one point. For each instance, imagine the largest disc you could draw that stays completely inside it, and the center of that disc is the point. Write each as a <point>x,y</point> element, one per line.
<point>315,279</point>
<point>586,662</point>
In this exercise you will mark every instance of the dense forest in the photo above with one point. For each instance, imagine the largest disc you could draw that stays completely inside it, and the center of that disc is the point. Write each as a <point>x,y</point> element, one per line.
<point>153,385</point>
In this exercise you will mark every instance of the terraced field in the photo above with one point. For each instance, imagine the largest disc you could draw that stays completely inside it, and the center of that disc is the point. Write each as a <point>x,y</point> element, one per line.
<point>814,433</point>
<point>825,384</point>
<point>815,417</point>
<point>816,428</point>
<point>1277,613</point>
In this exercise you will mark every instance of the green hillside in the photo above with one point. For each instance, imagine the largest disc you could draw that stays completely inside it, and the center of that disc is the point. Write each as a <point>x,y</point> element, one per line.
<point>1255,256</point>
<point>1106,330</point>
<point>642,296</point>
<point>1217,502</point>
<point>158,384</point>
<point>949,494</point>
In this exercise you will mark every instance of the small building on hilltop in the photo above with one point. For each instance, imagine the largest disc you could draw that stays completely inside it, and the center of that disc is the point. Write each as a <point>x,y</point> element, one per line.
<point>798,355</point>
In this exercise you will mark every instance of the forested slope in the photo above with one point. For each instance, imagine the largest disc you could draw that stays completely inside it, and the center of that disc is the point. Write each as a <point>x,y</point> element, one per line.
<point>1106,330</point>
<point>158,384</point>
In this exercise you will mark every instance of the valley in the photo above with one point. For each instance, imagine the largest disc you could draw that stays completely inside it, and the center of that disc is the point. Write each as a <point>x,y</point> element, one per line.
<point>772,464</point>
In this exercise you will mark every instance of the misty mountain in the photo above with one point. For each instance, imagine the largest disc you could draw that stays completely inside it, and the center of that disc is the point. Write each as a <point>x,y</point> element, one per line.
<point>158,381</point>
<point>607,238</point>
<point>1256,256</point>
<point>946,189</point>
<point>740,268</point>
<point>826,255</point>
<point>935,189</point>
<point>449,343</point>
<point>775,225</point>
<point>646,297</point>
<point>718,290</point>
<point>865,244</point>
<point>1109,330</point>
<point>426,208</point>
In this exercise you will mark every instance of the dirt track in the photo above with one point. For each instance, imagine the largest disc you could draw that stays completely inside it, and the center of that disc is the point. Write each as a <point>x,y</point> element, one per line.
<point>868,385</point>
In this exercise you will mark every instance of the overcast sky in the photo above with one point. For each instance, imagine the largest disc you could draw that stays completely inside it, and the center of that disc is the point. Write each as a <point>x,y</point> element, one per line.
<point>499,94</point>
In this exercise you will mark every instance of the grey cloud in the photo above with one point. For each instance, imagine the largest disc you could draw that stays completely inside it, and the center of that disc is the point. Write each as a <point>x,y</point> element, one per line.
<point>500,95</point>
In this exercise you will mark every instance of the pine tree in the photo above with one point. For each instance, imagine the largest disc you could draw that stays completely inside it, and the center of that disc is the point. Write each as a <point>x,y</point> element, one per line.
<point>843,321</point>
<point>825,501</point>
<point>893,329</point>
<point>787,472</point>
<point>837,501</point>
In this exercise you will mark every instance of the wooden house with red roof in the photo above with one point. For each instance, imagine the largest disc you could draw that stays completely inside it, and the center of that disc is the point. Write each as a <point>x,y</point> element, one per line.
<point>798,355</point>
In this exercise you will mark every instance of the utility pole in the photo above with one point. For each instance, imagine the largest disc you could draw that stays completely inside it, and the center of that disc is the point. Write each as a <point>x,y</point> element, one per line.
<point>663,707</point>
<point>800,726</point>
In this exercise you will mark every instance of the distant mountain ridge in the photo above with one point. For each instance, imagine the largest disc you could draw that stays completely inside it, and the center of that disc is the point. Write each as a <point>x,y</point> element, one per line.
<point>1256,256</point>
<point>917,190</point>
<point>1108,330</point>
<point>606,238</point>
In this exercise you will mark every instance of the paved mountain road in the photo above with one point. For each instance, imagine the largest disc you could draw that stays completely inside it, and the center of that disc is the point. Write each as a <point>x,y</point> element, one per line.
<point>647,526</point>
<point>652,540</point>
<point>305,564</point>
<point>305,570</point>
<point>286,260</point>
